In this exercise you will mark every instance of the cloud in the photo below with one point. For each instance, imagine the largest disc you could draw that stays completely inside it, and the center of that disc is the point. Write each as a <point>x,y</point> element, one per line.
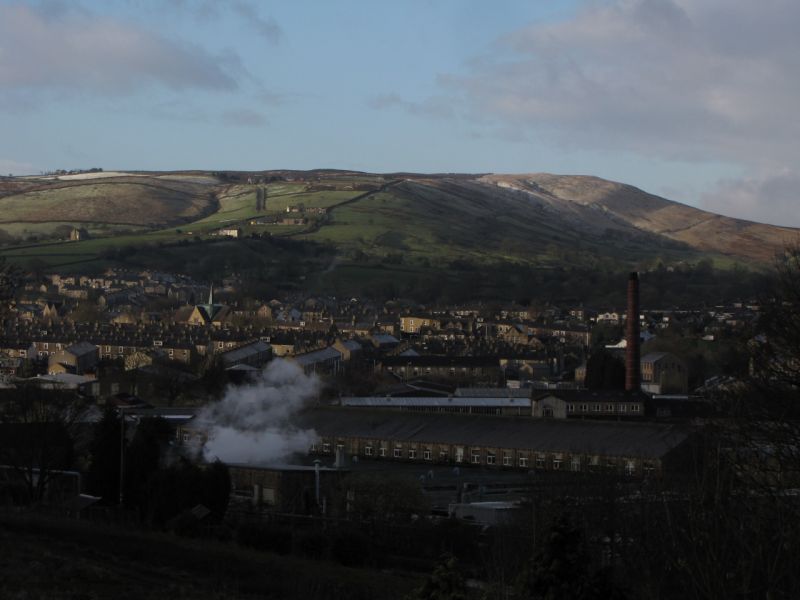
<point>430,107</point>
<point>675,80</point>
<point>78,51</point>
<point>179,110</point>
<point>275,99</point>
<point>678,79</point>
<point>243,117</point>
<point>747,198</point>
<point>266,27</point>
<point>17,168</point>
<point>213,10</point>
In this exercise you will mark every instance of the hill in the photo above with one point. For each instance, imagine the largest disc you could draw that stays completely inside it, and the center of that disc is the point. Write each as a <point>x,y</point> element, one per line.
<point>543,219</point>
<point>348,224</point>
<point>619,207</point>
<point>104,202</point>
<point>54,558</point>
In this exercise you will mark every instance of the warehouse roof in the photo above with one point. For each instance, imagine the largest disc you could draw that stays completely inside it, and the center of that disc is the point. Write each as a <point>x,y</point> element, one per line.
<point>644,440</point>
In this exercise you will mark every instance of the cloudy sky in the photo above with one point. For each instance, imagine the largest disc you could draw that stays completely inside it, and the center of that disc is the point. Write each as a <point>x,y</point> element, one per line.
<point>695,100</point>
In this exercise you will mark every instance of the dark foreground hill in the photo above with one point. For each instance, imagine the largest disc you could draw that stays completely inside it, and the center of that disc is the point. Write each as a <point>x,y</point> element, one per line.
<point>56,559</point>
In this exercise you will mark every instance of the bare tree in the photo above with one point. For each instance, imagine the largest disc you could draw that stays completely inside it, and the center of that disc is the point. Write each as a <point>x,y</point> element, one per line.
<point>38,431</point>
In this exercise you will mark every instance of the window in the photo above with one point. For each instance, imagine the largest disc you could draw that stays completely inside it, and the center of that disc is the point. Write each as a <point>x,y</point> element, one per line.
<point>609,408</point>
<point>326,448</point>
<point>46,346</point>
<point>595,408</point>
<point>120,349</point>
<point>412,453</point>
<point>426,454</point>
<point>570,408</point>
<point>459,455</point>
<point>584,407</point>
<point>340,447</point>
<point>547,411</point>
<point>630,468</point>
<point>623,407</point>
<point>540,462</point>
<point>476,457</point>
<point>556,464</point>
<point>382,451</point>
<point>506,459</point>
<point>398,453</point>
<point>635,408</point>
<point>575,464</point>
<point>523,461</point>
<point>491,458</point>
<point>368,451</point>
<point>443,455</point>
<point>185,437</point>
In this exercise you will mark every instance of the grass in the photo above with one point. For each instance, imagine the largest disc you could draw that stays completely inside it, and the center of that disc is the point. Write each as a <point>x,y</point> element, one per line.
<point>57,559</point>
<point>130,201</point>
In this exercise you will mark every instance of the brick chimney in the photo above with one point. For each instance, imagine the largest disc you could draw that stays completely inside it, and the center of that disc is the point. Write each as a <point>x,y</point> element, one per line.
<point>632,359</point>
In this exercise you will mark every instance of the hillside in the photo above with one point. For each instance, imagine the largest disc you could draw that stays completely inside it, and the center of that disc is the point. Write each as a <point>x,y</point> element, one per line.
<point>543,219</point>
<point>406,222</point>
<point>48,558</point>
<point>624,206</point>
<point>104,200</point>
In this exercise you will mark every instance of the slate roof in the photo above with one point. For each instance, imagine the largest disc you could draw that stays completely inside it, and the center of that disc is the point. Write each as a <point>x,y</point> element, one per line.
<point>81,349</point>
<point>244,352</point>
<point>623,439</point>
<point>495,392</point>
<point>435,401</point>
<point>317,356</point>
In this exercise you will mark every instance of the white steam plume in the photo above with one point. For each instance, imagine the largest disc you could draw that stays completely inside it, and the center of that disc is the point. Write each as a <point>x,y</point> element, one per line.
<point>253,423</point>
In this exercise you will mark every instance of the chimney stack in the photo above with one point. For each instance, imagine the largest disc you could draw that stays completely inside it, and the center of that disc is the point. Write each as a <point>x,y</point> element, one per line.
<point>632,358</point>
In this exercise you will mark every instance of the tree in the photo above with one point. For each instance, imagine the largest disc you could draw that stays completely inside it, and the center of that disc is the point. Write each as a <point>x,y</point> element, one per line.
<point>562,570</point>
<point>103,476</point>
<point>445,583</point>
<point>9,281</point>
<point>38,428</point>
<point>143,458</point>
<point>182,486</point>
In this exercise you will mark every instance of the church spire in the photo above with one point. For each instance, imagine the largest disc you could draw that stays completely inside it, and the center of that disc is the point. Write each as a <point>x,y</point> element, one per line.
<point>211,295</point>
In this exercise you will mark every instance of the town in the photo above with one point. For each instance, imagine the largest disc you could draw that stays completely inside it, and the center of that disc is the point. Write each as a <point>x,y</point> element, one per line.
<point>321,411</point>
<point>360,300</point>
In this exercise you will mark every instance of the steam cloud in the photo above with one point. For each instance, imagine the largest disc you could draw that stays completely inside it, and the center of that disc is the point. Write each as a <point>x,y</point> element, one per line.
<point>253,423</point>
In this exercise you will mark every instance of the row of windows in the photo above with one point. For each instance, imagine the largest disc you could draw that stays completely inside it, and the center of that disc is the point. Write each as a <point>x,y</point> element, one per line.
<point>452,370</point>
<point>608,407</point>
<point>575,463</point>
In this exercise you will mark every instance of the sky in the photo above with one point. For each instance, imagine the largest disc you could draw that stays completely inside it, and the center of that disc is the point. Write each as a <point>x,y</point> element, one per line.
<point>694,100</point>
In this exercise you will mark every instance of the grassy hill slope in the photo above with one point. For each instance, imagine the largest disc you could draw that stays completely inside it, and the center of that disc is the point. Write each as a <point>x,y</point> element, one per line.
<point>135,201</point>
<point>52,559</point>
<point>442,219</point>
<point>621,207</point>
<point>414,223</point>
